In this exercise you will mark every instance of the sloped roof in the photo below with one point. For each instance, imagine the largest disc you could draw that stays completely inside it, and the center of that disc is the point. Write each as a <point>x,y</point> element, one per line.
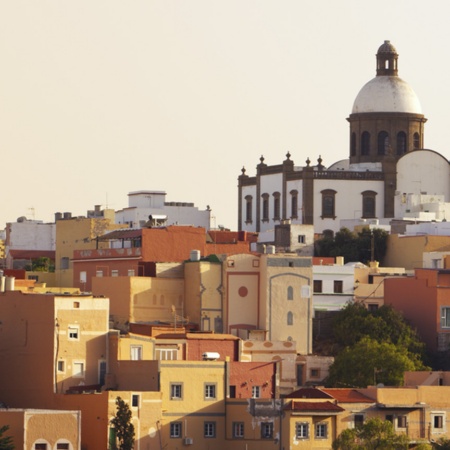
<point>309,393</point>
<point>314,407</point>
<point>348,395</point>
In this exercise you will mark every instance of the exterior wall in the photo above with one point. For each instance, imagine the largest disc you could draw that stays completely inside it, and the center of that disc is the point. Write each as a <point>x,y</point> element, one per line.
<point>328,299</point>
<point>418,302</point>
<point>29,427</point>
<point>269,184</point>
<point>424,171</point>
<point>348,201</point>
<point>203,294</point>
<point>140,299</point>
<point>248,225</point>
<point>77,234</point>
<point>193,399</point>
<point>287,319</point>
<point>30,235</point>
<point>226,346</point>
<point>245,376</point>
<point>37,324</point>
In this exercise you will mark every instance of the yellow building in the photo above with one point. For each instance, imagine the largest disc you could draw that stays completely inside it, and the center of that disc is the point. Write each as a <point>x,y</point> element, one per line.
<point>31,429</point>
<point>78,233</point>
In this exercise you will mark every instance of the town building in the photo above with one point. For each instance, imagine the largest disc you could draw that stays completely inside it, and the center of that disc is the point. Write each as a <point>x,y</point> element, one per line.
<point>147,206</point>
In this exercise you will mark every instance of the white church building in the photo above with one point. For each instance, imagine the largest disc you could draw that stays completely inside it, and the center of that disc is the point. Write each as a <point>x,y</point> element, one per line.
<point>388,174</point>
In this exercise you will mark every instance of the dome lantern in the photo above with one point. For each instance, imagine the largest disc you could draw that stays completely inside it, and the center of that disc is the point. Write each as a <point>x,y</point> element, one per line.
<point>387,60</point>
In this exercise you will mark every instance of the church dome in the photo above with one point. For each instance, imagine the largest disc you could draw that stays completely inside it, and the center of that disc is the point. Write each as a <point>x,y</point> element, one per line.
<point>387,94</point>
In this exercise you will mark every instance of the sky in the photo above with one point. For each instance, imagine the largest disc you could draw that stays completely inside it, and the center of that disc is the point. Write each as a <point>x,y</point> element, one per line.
<point>99,98</point>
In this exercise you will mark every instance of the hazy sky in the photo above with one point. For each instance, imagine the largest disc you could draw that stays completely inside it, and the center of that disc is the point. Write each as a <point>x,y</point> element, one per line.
<point>102,97</point>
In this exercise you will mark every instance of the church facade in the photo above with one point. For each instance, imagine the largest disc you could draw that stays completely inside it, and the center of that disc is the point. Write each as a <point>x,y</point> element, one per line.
<point>388,174</point>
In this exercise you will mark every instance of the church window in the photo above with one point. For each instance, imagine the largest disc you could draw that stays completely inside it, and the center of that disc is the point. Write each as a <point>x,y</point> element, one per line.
<point>276,205</point>
<point>365,143</point>
<point>290,293</point>
<point>416,140</point>
<point>265,207</point>
<point>248,208</point>
<point>290,318</point>
<point>328,204</point>
<point>401,143</point>
<point>368,204</point>
<point>383,143</point>
<point>353,144</point>
<point>294,204</point>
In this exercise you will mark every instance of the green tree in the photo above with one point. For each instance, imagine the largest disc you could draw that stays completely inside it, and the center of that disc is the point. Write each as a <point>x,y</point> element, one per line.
<point>373,434</point>
<point>369,362</point>
<point>42,264</point>
<point>6,442</point>
<point>354,246</point>
<point>123,427</point>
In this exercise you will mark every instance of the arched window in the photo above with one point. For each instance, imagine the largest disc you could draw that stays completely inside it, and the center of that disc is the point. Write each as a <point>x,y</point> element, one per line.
<point>248,208</point>
<point>416,140</point>
<point>401,143</point>
<point>365,143</point>
<point>265,207</point>
<point>353,144</point>
<point>294,204</point>
<point>328,204</point>
<point>383,143</point>
<point>368,204</point>
<point>276,205</point>
<point>290,293</point>
<point>290,318</point>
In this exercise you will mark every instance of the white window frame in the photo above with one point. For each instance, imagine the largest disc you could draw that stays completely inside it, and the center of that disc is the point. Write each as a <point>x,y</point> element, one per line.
<point>176,430</point>
<point>114,273</point>
<point>78,363</point>
<point>301,430</point>
<point>166,354</point>
<point>136,352</point>
<point>445,317</point>
<point>209,430</point>
<point>267,430</point>
<point>176,391</point>
<point>73,332</point>
<point>321,430</point>
<point>256,391</point>
<point>210,391</point>
<point>438,430</point>
<point>238,430</point>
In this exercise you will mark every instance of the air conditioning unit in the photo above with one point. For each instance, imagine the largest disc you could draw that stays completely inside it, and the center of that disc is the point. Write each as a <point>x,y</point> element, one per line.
<point>188,441</point>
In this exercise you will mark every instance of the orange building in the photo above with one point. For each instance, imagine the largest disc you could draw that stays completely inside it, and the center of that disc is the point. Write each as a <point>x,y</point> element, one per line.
<point>424,300</point>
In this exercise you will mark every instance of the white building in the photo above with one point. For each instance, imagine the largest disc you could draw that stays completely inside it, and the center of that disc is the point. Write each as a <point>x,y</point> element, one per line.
<point>143,204</point>
<point>387,175</point>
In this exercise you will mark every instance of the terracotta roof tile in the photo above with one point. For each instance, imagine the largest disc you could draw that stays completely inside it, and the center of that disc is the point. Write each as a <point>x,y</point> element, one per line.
<point>309,393</point>
<point>345,395</point>
<point>314,407</point>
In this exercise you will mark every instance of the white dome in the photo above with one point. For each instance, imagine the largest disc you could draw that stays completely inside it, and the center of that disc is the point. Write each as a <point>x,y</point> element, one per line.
<point>387,94</point>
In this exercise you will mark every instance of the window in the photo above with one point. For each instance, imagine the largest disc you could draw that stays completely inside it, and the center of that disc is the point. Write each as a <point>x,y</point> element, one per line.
<point>232,391</point>
<point>114,273</point>
<point>321,430</point>
<point>99,273</point>
<point>265,207</point>
<point>365,143</point>
<point>445,317</point>
<point>248,208</point>
<point>383,143</point>
<point>368,204</point>
<point>353,144</point>
<point>83,277</point>
<point>416,140</point>
<point>131,272</point>
<point>256,391</point>
<point>358,420</point>
<point>238,430</point>
<point>401,422</point>
<point>290,318</point>
<point>438,422</point>
<point>64,263</point>
<point>290,293</point>
<point>175,430</point>
<point>401,143</point>
<point>62,446</point>
<point>176,391</point>
<point>73,332</point>
<point>136,352</point>
<point>301,430</point>
<point>167,354</point>
<point>317,286</point>
<point>210,429</point>
<point>338,286</point>
<point>210,391</point>
<point>328,203</point>
<point>135,400</point>
<point>276,205</point>
<point>301,238</point>
<point>314,373</point>
<point>390,418</point>
<point>78,369</point>
<point>61,366</point>
<point>40,446</point>
<point>372,307</point>
<point>267,430</point>
<point>294,204</point>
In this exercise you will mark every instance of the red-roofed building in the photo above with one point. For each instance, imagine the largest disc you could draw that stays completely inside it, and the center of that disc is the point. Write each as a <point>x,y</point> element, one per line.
<point>134,252</point>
